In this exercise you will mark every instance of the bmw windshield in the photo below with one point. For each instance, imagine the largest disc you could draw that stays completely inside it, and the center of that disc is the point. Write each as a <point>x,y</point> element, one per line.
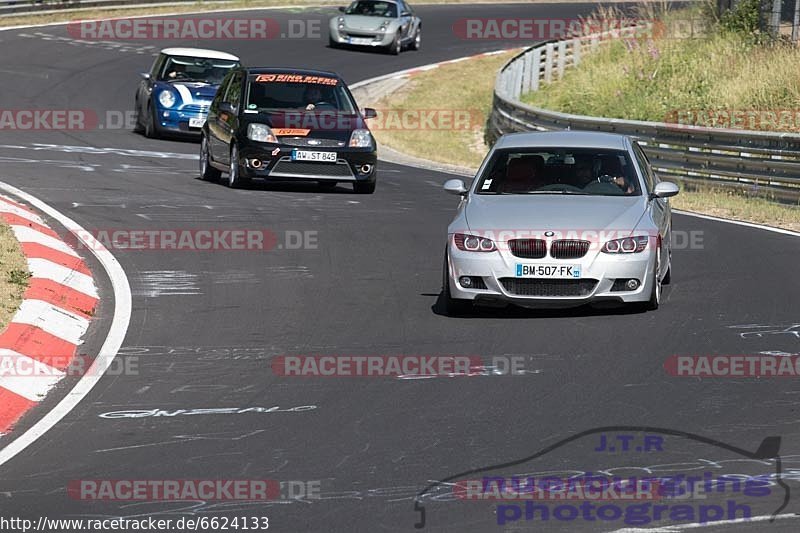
<point>549,171</point>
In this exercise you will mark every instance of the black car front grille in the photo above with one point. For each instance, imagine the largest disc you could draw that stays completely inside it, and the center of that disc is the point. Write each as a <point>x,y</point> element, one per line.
<point>314,143</point>
<point>569,249</point>
<point>287,168</point>
<point>528,248</point>
<point>549,287</point>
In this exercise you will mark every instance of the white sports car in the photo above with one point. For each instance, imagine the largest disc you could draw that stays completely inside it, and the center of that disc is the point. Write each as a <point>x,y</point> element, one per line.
<point>559,219</point>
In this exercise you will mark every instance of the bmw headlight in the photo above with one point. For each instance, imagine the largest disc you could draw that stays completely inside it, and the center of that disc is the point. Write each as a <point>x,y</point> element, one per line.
<point>261,133</point>
<point>360,138</point>
<point>166,98</point>
<point>628,245</point>
<point>472,243</point>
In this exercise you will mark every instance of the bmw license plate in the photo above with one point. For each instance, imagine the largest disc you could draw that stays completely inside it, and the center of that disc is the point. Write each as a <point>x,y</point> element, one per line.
<point>548,271</point>
<point>196,122</point>
<point>306,155</point>
<point>360,41</point>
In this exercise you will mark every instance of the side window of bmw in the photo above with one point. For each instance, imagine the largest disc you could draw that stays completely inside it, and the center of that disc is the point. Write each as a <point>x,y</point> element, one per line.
<point>644,164</point>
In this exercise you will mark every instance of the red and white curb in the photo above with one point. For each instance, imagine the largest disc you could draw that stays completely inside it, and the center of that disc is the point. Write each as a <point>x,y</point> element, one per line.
<point>43,336</point>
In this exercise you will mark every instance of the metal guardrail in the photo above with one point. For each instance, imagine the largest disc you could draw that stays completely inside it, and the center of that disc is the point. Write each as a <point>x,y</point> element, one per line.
<point>762,163</point>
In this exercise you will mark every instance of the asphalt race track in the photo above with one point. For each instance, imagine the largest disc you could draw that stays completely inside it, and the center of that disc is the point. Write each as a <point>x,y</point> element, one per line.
<point>206,325</point>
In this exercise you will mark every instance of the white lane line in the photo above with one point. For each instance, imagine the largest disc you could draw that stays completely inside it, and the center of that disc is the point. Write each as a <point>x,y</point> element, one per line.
<point>14,210</point>
<point>696,525</point>
<point>110,347</point>
<point>43,268</point>
<point>26,234</point>
<point>52,319</point>
<point>738,223</point>
<point>25,376</point>
<point>93,150</point>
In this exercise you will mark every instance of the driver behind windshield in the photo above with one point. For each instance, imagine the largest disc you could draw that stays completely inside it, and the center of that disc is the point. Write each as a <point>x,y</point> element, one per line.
<point>369,8</point>
<point>312,97</point>
<point>176,71</point>
<point>611,172</point>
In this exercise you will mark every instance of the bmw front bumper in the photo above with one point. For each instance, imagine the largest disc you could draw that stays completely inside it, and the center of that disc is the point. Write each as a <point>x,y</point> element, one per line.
<point>499,281</point>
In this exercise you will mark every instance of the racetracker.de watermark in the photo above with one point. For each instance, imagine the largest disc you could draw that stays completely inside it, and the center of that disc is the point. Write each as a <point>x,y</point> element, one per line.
<point>194,240</point>
<point>548,29</point>
<point>554,489</point>
<point>194,28</point>
<point>783,119</point>
<point>58,366</point>
<point>375,365</point>
<point>733,366</point>
<point>386,119</point>
<point>66,120</point>
<point>680,239</point>
<point>191,489</point>
<point>48,120</point>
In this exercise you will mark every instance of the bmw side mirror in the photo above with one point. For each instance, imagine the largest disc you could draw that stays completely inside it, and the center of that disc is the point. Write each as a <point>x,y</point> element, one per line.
<point>405,14</point>
<point>665,189</point>
<point>341,8</point>
<point>455,187</point>
<point>145,75</point>
<point>370,113</point>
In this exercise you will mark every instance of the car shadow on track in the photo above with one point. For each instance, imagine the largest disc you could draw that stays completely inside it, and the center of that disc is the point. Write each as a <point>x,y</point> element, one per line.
<point>368,50</point>
<point>289,186</point>
<point>512,311</point>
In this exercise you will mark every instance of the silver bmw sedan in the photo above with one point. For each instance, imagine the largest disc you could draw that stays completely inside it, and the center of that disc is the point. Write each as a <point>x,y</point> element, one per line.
<point>559,219</point>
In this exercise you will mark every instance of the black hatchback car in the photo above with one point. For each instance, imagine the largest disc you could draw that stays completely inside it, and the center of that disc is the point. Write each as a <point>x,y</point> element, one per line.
<point>286,124</point>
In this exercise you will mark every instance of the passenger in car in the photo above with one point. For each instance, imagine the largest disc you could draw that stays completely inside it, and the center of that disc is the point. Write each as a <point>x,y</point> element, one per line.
<point>523,174</point>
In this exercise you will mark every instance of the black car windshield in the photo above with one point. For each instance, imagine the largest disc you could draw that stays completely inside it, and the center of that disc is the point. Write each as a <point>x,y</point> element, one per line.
<point>372,8</point>
<point>582,171</point>
<point>297,92</point>
<point>195,69</point>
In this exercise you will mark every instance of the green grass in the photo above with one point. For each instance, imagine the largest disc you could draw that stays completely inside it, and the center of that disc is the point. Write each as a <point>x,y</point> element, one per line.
<point>444,87</point>
<point>737,206</point>
<point>14,274</point>
<point>657,78</point>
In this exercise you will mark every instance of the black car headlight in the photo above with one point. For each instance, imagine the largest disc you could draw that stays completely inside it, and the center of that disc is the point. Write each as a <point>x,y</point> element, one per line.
<point>360,138</point>
<point>261,133</point>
